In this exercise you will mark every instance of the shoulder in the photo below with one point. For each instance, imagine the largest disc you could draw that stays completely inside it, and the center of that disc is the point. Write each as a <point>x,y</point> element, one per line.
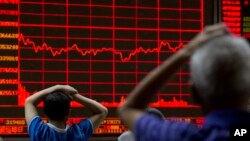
<point>85,123</point>
<point>84,128</point>
<point>148,127</point>
<point>145,119</point>
<point>148,120</point>
<point>35,121</point>
<point>36,126</point>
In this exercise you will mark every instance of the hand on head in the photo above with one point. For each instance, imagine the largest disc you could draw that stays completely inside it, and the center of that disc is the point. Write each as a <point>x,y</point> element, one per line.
<point>68,90</point>
<point>209,33</point>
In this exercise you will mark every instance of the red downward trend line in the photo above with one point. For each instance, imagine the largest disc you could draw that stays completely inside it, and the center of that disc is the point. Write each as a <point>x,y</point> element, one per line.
<point>23,94</point>
<point>94,52</point>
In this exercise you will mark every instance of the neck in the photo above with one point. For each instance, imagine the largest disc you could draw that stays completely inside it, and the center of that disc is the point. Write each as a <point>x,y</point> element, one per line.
<point>58,124</point>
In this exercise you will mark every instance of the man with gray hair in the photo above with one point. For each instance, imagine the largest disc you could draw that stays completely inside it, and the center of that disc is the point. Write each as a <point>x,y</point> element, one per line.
<point>220,73</point>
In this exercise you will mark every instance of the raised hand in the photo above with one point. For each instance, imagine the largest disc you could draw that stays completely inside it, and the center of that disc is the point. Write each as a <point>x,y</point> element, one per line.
<point>67,89</point>
<point>209,33</point>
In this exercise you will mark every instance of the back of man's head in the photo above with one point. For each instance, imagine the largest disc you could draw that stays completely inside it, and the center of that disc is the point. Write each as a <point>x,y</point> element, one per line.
<point>220,71</point>
<point>57,106</point>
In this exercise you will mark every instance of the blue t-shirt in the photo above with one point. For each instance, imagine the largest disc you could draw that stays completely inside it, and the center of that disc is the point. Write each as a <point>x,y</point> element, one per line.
<point>216,127</point>
<point>40,131</point>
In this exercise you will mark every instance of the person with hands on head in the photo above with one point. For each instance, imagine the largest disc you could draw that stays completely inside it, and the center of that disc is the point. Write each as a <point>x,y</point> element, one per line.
<point>57,108</point>
<point>220,74</point>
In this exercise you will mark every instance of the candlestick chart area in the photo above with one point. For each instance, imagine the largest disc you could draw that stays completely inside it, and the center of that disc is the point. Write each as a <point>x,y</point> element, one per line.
<point>103,48</point>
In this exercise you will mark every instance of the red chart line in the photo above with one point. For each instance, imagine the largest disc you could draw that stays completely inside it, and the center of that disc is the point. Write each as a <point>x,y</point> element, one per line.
<point>67,42</point>
<point>59,51</point>
<point>180,38</point>
<point>162,46</point>
<point>173,103</point>
<point>90,47</point>
<point>43,56</point>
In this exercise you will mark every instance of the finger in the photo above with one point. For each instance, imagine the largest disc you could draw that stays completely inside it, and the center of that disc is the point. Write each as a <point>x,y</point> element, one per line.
<point>70,97</point>
<point>216,34</point>
<point>217,27</point>
<point>73,90</point>
<point>213,27</point>
<point>70,88</point>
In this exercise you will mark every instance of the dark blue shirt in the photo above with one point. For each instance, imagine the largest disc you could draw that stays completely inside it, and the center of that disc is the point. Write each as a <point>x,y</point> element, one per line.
<point>216,127</point>
<point>40,131</point>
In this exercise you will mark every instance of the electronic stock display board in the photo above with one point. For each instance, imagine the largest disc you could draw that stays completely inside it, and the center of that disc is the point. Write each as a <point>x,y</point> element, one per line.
<point>103,48</point>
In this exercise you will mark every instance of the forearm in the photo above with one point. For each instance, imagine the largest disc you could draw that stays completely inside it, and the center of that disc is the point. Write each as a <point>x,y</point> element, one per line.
<point>146,90</point>
<point>140,97</point>
<point>33,100</point>
<point>92,105</point>
<point>39,96</point>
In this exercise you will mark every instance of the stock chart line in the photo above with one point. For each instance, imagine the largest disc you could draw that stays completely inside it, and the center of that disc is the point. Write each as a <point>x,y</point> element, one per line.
<point>161,103</point>
<point>74,47</point>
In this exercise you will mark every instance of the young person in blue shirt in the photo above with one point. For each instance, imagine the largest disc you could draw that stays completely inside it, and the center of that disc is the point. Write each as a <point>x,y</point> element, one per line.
<point>220,67</point>
<point>57,108</point>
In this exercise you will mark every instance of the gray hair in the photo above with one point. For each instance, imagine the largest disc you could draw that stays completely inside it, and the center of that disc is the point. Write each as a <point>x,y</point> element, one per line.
<point>220,69</point>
